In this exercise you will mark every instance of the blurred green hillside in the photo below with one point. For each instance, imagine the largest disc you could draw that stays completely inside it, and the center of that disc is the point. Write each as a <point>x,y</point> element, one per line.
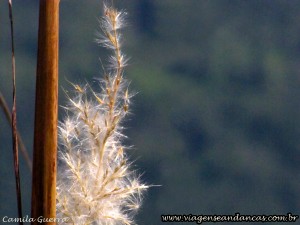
<point>216,120</point>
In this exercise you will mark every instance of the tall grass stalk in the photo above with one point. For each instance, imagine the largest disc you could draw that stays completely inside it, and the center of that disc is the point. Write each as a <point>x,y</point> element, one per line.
<point>45,131</point>
<point>14,117</point>
<point>95,183</point>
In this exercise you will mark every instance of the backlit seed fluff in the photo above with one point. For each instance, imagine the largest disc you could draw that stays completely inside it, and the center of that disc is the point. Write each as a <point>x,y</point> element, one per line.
<point>95,182</point>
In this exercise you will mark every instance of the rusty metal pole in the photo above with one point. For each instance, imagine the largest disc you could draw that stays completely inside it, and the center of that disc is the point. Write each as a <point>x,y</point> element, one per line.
<point>46,104</point>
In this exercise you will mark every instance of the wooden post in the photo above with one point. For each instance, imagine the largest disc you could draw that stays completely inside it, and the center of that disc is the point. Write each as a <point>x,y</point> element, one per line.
<point>46,104</point>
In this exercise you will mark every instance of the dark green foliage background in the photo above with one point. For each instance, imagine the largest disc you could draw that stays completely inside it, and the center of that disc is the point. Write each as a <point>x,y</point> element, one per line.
<point>216,119</point>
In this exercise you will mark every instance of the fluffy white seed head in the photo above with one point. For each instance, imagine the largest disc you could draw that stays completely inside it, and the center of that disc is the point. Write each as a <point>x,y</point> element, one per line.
<point>95,183</point>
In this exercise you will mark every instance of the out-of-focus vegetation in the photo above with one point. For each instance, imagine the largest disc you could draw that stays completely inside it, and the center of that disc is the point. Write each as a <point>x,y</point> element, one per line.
<point>216,120</point>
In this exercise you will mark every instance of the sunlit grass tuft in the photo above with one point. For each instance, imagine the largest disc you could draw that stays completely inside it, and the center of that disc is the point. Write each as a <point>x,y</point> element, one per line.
<point>95,183</point>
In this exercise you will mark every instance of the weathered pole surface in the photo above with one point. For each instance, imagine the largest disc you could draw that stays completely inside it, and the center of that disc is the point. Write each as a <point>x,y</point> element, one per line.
<point>46,104</point>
